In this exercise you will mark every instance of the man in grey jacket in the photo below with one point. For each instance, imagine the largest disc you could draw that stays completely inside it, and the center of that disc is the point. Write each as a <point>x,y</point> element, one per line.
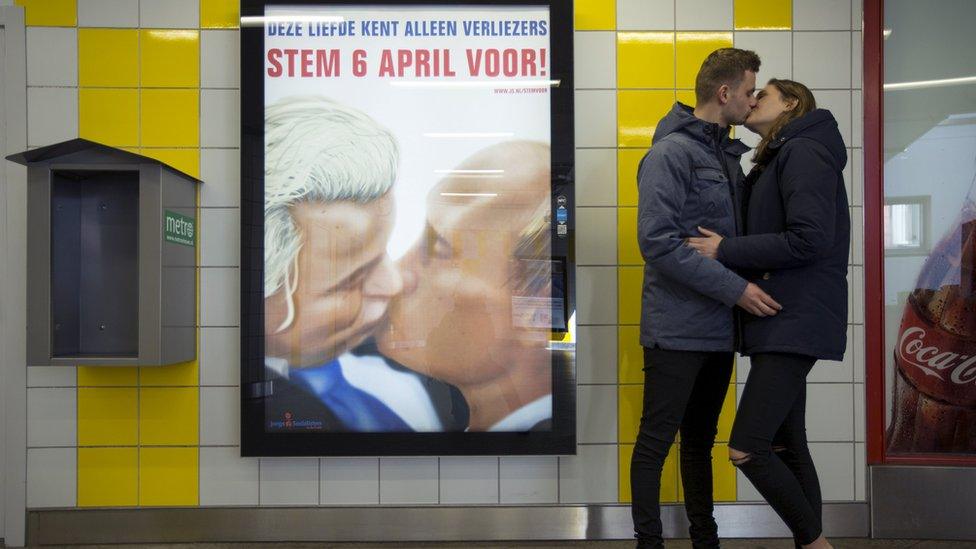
<point>688,180</point>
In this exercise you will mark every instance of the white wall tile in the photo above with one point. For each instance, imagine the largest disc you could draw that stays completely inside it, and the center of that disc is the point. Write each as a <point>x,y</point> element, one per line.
<point>857,235</point>
<point>596,177</point>
<point>220,51</point>
<point>860,472</point>
<point>590,476</point>
<point>226,478</point>
<point>220,170</point>
<point>52,416</point>
<point>838,102</point>
<point>848,174</point>
<point>858,353</point>
<point>529,479</point>
<point>703,15</point>
<point>645,14</point>
<point>220,356</point>
<point>595,59</point>
<point>742,366</point>
<point>596,236</point>
<point>596,118</point>
<point>220,237</point>
<point>775,50</point>
<point>220,297</point>
<point>52,115</point>
<point>855,282</point>
<point>857,14</point>
<point>744,489</point>
<point>596,295</point>
<point>220,118</point>
<point>596,413</point>
<point>52,56</point>
<point>857,60</point>
<point>166,14</point>
<point>860,411</point>
<point>826,371</point>
<point>835,467</point>
<point>857,175</point>
<point>857,114</point>
<point>830,412</point>
<point>350,481</point>
<point>596,354</point>
<point>469,480</point>
<point>51,477</point>
<point>751,140</point>
<point>289,481</point>
<point>220,416</point>
<point>822,59</point>
<point>408,480</point>
<point>52,376</point>
<point>108,13</point>
<point>821,14</point>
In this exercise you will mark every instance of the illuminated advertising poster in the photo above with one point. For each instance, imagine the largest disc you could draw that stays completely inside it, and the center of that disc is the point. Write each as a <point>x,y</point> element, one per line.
<point>407,281</point>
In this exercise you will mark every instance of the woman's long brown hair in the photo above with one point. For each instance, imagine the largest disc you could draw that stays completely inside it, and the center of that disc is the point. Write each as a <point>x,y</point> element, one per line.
<point>791,91</point>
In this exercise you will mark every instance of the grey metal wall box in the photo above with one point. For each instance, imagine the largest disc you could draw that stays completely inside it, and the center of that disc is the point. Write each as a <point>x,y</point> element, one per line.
<point>111,257</point>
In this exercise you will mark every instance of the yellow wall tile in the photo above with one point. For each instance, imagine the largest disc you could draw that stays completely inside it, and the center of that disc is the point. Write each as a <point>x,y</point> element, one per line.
<point>629,280</point>
<point>628,252</point>
<point>170,58</point>
<point>763,14</point>
<point>110,117</point>
<point>625,453</point>
<point>630,403</point>
<point>687,97</point>
<point>669,475</point>
<point>184,160</point>
<point>169,476</point>
<point>596,14</point>
<point>638,112</point>
<point>692,49</point>
<point>107,416</point>
<point>107,477</point>
<point>727,416</point>
<point>169,416</point>
<point>170,118</point>
<point>645,60</point>
<point>219,14</point>
<point>108,57</point>
<point>631,355</point>
<point>723,474</point>
<point>49,13</point>
<point>107,376</point>
<point>627,162</point>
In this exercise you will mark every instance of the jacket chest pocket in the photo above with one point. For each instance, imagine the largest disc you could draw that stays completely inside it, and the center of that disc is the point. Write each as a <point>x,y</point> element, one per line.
<point>713,192</point>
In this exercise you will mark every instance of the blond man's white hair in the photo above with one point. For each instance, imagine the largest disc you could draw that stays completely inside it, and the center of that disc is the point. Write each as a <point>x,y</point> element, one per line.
<point>316,150</point>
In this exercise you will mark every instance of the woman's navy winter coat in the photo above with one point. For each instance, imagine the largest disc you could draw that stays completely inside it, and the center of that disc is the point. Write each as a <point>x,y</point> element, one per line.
<point>796,241</point>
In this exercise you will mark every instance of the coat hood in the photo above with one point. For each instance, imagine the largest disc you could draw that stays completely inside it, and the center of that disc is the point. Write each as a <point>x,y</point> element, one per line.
<point>820,126</point>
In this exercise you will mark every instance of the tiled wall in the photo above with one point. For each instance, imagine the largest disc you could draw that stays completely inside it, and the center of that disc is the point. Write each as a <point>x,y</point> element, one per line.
<point>160,77</point>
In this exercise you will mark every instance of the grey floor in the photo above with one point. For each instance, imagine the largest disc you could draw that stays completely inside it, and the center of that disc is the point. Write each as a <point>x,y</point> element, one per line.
<point>676,544</point>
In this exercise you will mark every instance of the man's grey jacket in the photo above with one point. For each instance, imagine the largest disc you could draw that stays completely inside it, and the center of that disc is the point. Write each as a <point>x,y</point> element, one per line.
<point>687,299</point>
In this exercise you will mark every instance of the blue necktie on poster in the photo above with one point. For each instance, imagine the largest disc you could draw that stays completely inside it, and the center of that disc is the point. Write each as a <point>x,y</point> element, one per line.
<point>355,408</point>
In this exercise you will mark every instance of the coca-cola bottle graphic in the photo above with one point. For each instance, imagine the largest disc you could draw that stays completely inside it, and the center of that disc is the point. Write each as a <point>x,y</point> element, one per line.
<point>934,404</point>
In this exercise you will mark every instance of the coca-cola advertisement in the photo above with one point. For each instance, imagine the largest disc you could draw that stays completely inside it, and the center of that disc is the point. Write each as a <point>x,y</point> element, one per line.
<point>930,293</point>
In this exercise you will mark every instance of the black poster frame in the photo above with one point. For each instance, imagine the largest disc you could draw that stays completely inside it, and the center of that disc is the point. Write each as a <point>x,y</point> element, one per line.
<point>255,439</point>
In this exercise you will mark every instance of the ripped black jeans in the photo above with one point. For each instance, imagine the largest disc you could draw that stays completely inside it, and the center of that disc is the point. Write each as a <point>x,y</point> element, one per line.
<point>770,426</point>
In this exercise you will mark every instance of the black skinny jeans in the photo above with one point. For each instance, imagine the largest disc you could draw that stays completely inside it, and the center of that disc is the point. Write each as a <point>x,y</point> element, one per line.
<point>770,426</point>
<point>682,390</point>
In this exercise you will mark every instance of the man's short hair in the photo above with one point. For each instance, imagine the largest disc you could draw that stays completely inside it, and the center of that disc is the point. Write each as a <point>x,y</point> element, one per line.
<point>316,149</point>
<point>723,66</point>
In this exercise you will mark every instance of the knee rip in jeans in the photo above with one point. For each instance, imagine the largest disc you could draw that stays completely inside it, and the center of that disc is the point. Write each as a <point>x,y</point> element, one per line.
<point>739,458</point>
<point>779,449</point>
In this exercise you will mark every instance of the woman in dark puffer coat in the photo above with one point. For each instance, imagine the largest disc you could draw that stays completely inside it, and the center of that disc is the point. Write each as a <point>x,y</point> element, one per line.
<point>795,246</point>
